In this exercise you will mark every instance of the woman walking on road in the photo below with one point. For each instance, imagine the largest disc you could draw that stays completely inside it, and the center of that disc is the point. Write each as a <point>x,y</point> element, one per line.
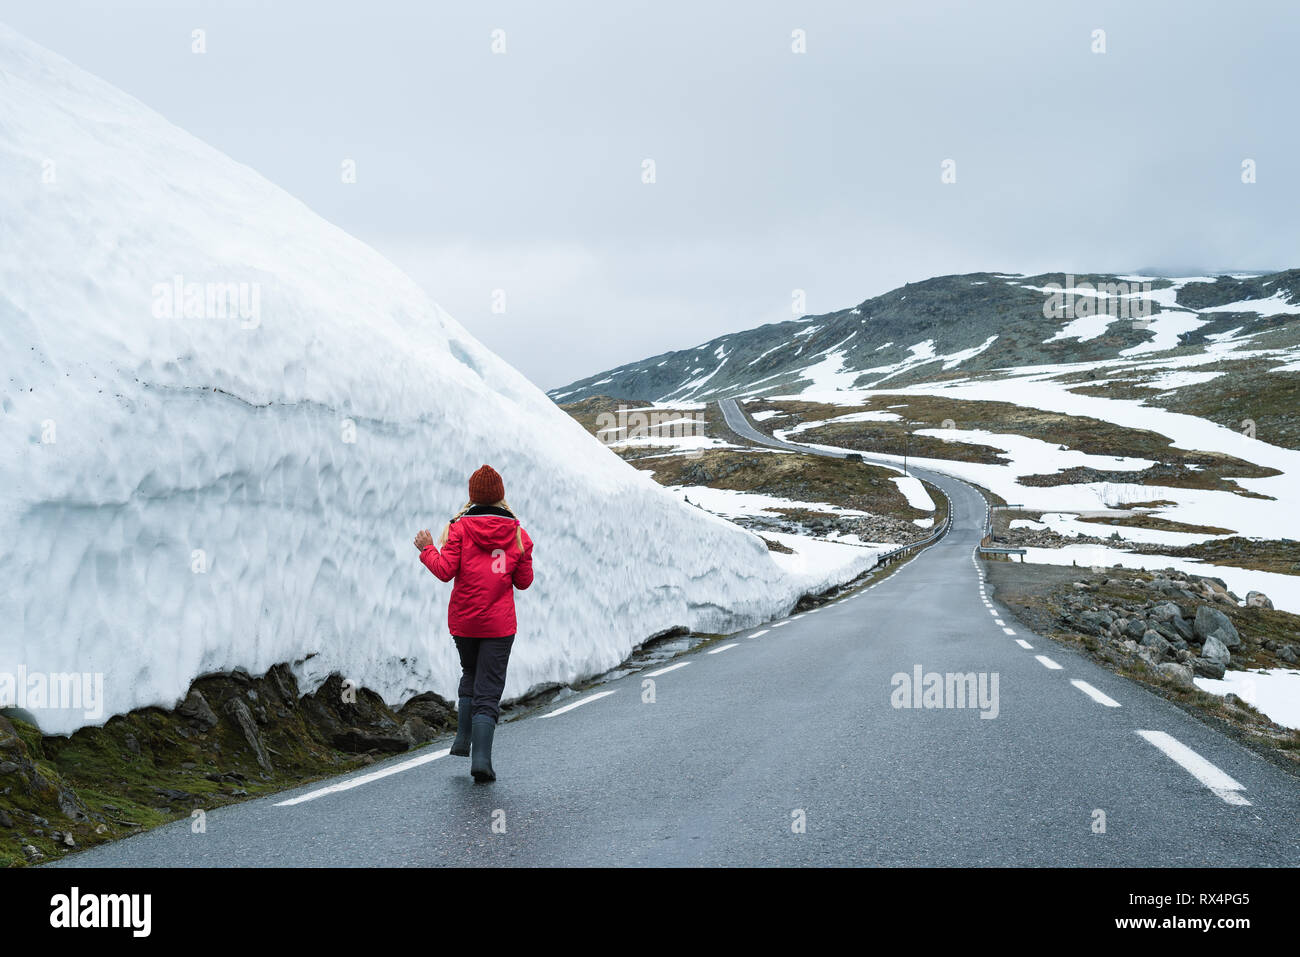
<point>487,552</point>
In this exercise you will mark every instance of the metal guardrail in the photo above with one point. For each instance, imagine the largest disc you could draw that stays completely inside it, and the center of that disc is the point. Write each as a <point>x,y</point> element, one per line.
<point>889,556</point>
<point>988,532</point>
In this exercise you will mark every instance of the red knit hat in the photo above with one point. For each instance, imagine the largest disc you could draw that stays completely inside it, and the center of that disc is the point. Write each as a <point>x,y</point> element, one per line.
<point>486,487</point>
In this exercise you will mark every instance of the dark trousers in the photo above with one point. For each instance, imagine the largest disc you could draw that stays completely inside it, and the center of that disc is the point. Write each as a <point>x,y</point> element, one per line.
<point>483,664</point>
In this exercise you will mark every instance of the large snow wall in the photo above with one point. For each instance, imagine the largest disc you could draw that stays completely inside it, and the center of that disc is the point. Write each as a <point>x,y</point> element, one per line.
<point>184,491</point>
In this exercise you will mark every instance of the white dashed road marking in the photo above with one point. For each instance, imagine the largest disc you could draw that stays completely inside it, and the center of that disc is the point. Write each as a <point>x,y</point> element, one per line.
<point>1195,765</point>
<point>1024,644</point>
<point>366,778</point>
<point>1008,631</point>
<point>1097,696</point>
<point>663,671</point>
<point>1048,663</point>
<point>578,704</point>
<point>759,634</point>
<point>722,649</point>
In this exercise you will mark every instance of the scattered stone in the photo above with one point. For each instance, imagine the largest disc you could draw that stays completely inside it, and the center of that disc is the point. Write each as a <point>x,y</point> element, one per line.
<point>1212,622</point>
<point>1207,668</point>
<point>434,710</point>
<point>9,740</point>
<point>1216,650</point>
<point>1179,673</point>
<point>171,794</point>
<point>70,806</point>
<point>1288,653</point>
<point>1157,643</point>
<point>32,854</point>
<point>417,731</point>
<point>1257,599</point>
<point>238,712</point>
<point>196,708</point>
<point>284,684</point>
<point>1098,621</point>
<point>1166,611</point>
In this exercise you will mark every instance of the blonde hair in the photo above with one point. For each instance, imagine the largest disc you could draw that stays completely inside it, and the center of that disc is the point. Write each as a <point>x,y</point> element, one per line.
<point>502,503</point>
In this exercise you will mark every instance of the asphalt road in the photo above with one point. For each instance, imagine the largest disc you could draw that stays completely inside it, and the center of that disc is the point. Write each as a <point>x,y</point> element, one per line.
<point>783,746</point>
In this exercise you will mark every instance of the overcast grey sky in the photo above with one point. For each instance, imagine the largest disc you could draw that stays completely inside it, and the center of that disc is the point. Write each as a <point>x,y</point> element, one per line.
<point>775,170</point>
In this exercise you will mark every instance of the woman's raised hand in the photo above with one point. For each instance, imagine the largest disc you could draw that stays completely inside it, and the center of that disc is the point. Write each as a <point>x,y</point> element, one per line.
<point>423,539</point>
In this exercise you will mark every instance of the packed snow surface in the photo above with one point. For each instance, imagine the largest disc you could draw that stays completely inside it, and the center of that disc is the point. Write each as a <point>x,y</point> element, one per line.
<point>729,502</point>
<point>231,476</point>
<point>1274,691</point>
<point>822,561</point>
<point>915,492</point>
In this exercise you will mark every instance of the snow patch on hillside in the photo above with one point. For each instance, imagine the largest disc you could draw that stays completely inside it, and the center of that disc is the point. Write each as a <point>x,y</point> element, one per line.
<point>831,372</point>
<point>730,502</point>
<point>823,562</point>
<point>914,492</point>
<point>1273,305</point>
<point>1273,691</point>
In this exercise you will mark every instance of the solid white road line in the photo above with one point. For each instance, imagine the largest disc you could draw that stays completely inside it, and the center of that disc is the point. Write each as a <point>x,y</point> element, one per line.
<point>716,651</point>
<point>758,634</point>
<point>578,704</point>
<point>1008,631</point>
<point>1024,644</point>
<point>1096,695</point>
<point>664,671</point>
<point>1195,765</point>
<point>1048,663</point>
<point>366,778</point>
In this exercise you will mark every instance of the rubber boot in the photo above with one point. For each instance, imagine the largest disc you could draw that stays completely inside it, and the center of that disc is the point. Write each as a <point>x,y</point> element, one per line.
<point>460,747</point>
<point>480,764</point>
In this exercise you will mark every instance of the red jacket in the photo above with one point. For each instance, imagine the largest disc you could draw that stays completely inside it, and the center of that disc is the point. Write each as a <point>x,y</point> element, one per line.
<point>483,556</point>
